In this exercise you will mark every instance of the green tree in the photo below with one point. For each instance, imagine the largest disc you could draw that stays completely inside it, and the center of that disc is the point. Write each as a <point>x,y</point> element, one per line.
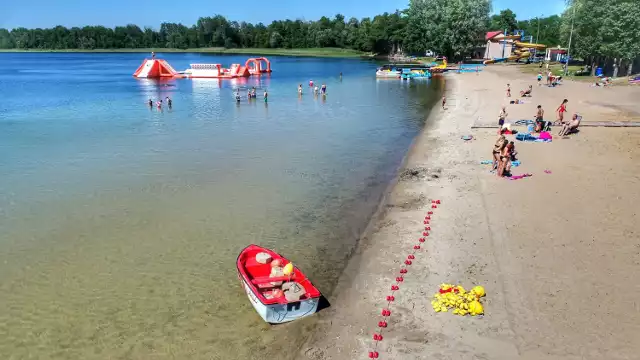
<point>452,28</point>
<point>506,19</point>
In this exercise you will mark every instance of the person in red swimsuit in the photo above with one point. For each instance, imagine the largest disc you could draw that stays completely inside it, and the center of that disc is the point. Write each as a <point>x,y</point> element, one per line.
<point>561,110</point>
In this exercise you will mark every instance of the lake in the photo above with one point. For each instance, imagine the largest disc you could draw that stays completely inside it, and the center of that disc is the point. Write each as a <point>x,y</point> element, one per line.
<point>120,224</point>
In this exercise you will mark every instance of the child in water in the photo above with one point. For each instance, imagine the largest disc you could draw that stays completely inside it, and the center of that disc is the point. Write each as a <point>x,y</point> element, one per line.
<point>315,90</point>
<point>159,104</point>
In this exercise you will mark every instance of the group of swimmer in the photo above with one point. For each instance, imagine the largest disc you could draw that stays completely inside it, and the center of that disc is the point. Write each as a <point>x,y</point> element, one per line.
<point>168,100</point>
<point>251,94</point>
<point>322,90</point>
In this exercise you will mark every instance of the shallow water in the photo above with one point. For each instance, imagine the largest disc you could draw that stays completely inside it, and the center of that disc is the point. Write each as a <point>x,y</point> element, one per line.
<point>120,224</point>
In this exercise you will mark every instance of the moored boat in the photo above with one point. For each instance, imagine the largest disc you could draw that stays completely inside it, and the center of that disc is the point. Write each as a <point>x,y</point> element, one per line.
<point>279,291</point>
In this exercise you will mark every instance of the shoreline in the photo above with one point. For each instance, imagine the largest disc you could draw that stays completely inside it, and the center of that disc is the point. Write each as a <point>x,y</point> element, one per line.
<point>543,292</point>
<point>309,349</point>
<point>303,52</point>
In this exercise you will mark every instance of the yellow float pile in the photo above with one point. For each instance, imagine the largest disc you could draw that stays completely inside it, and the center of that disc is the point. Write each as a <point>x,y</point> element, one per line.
<point>462,302</point>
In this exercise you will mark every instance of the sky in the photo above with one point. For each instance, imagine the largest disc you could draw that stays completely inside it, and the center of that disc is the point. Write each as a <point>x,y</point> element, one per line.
<point>49,13</point>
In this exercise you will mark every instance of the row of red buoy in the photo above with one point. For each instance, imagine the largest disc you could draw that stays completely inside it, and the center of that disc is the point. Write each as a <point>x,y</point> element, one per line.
<point>386,312</point>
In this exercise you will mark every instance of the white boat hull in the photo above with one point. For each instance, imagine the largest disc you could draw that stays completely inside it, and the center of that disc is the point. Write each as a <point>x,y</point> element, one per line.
<point>388,74</point>
<point>281,313</point>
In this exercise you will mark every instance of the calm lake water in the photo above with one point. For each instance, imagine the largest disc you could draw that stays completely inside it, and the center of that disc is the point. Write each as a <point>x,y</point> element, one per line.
<point>120,224</point>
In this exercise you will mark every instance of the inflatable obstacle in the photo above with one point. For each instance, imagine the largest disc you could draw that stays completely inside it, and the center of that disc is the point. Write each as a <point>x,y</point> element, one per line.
<point>155,68</point>
<point>158,68</point>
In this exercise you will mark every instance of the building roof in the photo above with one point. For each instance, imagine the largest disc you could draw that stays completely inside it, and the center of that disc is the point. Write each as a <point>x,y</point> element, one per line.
<point>492,34</point>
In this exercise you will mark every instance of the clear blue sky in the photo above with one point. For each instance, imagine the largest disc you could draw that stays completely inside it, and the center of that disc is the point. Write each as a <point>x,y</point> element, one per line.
<point>48,13</point>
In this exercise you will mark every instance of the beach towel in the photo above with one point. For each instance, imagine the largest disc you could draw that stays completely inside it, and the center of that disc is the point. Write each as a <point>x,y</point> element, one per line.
<point>525,137</point>
<point>518,177</point>
<point>524,122</point>
<point>545,135</point>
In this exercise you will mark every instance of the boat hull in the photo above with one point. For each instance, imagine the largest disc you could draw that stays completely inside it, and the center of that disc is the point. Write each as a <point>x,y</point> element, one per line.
<point>281,313</point>
<point>388,74</point>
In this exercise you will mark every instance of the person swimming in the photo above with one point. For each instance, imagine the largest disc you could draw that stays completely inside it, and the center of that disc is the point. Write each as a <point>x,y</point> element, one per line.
<point>323,89</point>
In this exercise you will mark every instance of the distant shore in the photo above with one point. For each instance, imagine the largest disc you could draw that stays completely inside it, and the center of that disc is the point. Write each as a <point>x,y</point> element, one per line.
<point>310,52</point>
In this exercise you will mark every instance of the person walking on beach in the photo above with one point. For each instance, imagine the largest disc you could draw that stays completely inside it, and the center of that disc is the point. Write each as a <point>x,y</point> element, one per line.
<point>508,90</point>
<point>444,101</point>
<point>560,112</point>
<point>540,78</point>
<point>501,118</point>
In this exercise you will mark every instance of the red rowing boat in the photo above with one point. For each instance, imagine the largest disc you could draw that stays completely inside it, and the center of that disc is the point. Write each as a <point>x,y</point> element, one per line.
<point>278,298</point>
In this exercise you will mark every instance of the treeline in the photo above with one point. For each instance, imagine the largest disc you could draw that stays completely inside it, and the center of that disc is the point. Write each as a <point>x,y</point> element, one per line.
<point>449,28</point>
<point>382,34</point>
<point>602,30</point>
<point>605,33</point>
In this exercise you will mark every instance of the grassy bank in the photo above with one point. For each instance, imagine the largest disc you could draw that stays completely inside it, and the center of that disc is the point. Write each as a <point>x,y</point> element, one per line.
<point>312,52</point>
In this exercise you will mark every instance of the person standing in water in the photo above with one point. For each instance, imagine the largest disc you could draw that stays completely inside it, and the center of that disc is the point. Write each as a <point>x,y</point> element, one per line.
<point>323,89</point>
<point>150,103</point>
<point>159,104</point>
<point>238,95</point>
<point>266,95</point>
<point>300,89</point>
<point>340,75</point>
<point>169,102</point>
<point>315,90</point>
<point>310,83</point>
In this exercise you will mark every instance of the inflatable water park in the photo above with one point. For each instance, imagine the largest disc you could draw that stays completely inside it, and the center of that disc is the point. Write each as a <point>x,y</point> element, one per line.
<point>158,68</point>
<point>502,47</point>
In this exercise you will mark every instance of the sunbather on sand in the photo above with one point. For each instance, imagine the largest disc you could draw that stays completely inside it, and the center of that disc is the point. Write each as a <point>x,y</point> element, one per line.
<point>570,126</point>
<point>497,150</point>
<point>504,166</point>
<point>526,93</point>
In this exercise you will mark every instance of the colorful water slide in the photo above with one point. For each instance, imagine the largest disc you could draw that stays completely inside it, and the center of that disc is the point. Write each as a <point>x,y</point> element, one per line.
<point>529,45</point>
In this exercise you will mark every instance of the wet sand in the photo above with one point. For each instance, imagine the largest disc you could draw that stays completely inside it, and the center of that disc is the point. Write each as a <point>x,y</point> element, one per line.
<point>557,252</point>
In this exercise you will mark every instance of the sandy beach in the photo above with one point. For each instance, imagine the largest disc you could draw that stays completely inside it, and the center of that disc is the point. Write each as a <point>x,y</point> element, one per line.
<point>556,252</point>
